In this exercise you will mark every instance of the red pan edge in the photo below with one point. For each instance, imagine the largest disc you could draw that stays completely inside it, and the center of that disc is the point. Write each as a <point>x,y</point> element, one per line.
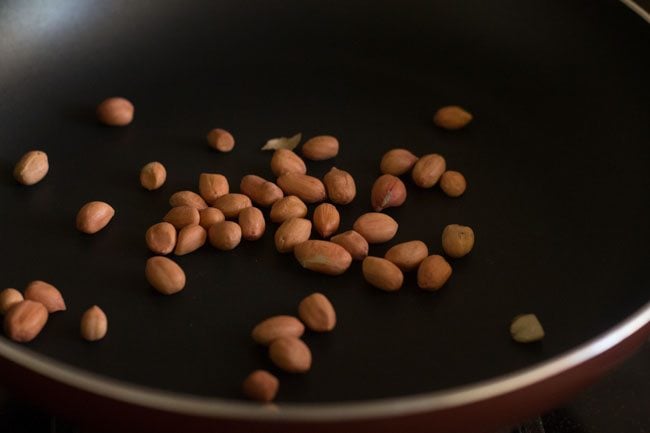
<point>481,407</point>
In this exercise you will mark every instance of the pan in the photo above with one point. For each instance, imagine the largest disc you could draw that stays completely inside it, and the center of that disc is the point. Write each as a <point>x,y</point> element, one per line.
<point>556,161</point>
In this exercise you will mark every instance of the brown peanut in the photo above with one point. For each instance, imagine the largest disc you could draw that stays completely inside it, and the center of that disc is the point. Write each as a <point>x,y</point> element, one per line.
<point>32,167</point>
<point>320,148</point>
<point>340,186</point>
<point>260,190</point>
<point>182,216</point>
<point>387,191</point>
<point>376,227</point>
<point>308,188</point>
<point>8,298</point>
<point>288,207</point>
<point>221,140</point>
<point>252,223</point>
<point>275,327</point>
<point>94,324</point>
<point>427,171</point>
<point>408,255</point>
<point>94,216</point>
<point>115,111</point>
<point>187,198</point>
<point>46,294</point>
<point>161,238</point>
<point>326,219</point>
<point>290,354</point>
<point>212,186</point>
<point>286,161</point>
<point>165,275</point>
<point>317,312</point>
<point>452,117</point>
<point>153,175</point>
<point>382,273</point>
<point>25,320</point>
<point>323,256</point>
<point>353,242</point>
<point>190,239</point>
<point>232,203</point>
<point>261,386</point>
<point>210,216</point>
<point>292,232</point>
<point>433,272</point>
<point>225,235</point>
<point>457,240</point>
<point>397,162</point>
<point>453,183</point>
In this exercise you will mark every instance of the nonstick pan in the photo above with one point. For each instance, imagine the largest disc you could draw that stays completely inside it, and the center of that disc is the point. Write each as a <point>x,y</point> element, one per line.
<point>556,159</point>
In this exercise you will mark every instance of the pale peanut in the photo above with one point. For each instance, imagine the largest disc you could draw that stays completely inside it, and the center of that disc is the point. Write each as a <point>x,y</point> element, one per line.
<point>225,235</point>
<point>252,223</point>
<point>210,216</point>
<point>190,239</point>
<point>288,207</point>
<point>260,190</point>
<point>115,111</point>
<point>182,216</point>
<point>408,255</point>
<point>161,238</point>
<point>275,327</point>
<point>376,227</point>
<point>46,294</point>
<point>526,328</point>
<point>94,324</point>
<point>94,216</point>
<point>308,188</point>
<point>452,117</point>
<point>290,354</point>
<point>322,256</point>
<point>187,198</point>
<point>32,167</point>
<point>153,175</point>
<point>165,275</point>
<point>286,161</point>
<point>353,242</point>
<point>457,240</point>
<point>382,273</point>
<point>25,320</point>
<point>453,183</point>
<point>8,298</point>
<point>397,162</point>
<point>326,219</point>
<point>427,171</point>
<point>221,140</point>
<point>340,186</point>
<point>261,386</point>
<point>232,203</point>
<point>387,191</point>
<point>292,232</point>
<point>320,147</point>
<point>212,186</point>
<point>433,272</point>
<point>317,312</point>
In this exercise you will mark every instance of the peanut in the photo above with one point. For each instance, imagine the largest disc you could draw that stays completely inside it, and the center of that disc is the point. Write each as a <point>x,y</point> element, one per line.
<point>115,111</point>
<point>353,242</point>
<point>322,256</point>
<point>376,227</point>
<point>308,188</point>
<point>32,167</point>
<point>210,216</point>
<point>292,232</point>
<point>231,204</point>
<point>25,320</point>
<point>94,216</point>
<point>225,235</point>
<point>187,198</point>
<point>397,162</point>
<point>433,272</point>
<point>317,312</point>
<point>261,386</point>
<point>260,190</point>
<point>408,255</point>
<point>212,186</point>
<point>320,148</point>
<point>387,191</point>
<point>452,117</point>
<point>427,171</point>
<point>8,298</point>
<point>190,239</point>
<point>457,240</point>
<point>161,238</point>
<point>326,219</point>
<point>164,275</point>
<point>340,185</point>
<point>153,175</point>
<point>252,223</point>
<point>221,140</point>
<point>382,273</point>
<point>453,183</point>
<point>290,354</point>
<point>275,327</point>
<point>526,328</point>
<point>94,324</point>
<point>286,161</point>
<point>182,216</point>
<point>288,207</point>
<point>46,294</point>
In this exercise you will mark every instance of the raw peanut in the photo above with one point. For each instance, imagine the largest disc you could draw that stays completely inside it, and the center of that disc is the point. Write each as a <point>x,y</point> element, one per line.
<point>115,111</point>
<point>225,235</point>
<point>290,354</point>
<point>376,227</point>
<point>252,223</point>
<point>288,207</point>
<point>428,170</point>
<point>323,256</point>
<point>457,240</point>
<point>212,186</point>
<point>190,239</point>
<point>231,204</point>
<point>260,190</point>
<point>453,183</point>
<point>308,188</point>
<point>187,198</point>
<point>452,117</point>
<point>182,216</point>
<point>387,191</point>
<point>433,272</point>
<point>221,140</point>
<point>94,216</point>
<point>353,242</point>
<point>407,255</point>
<point>317,312</point>
<point>382,274</point>
<point>526,328</point>
<point>46,294</point>
<point>275,327</point>
<point>25,320</point>
<point>164,275</point>
<point>286,161</point>
<point>326,219</point>
<point>161,238</point>
<point>261,386</point>
<point>8,298</point>
<point>292,232</point>
<point>320,147</point>
<point>32,167</point>
<point>153,175</point>
<point>94,324</point>
<point>210,216</point>
<point>397,162</point>
<point>340,185</point>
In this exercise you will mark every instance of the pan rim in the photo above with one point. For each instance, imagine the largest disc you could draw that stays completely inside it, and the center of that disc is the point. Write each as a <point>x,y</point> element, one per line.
<point>211,407</point>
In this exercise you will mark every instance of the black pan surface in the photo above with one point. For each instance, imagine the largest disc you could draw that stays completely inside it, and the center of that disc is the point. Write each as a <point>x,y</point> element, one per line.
<point>557,163</point>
